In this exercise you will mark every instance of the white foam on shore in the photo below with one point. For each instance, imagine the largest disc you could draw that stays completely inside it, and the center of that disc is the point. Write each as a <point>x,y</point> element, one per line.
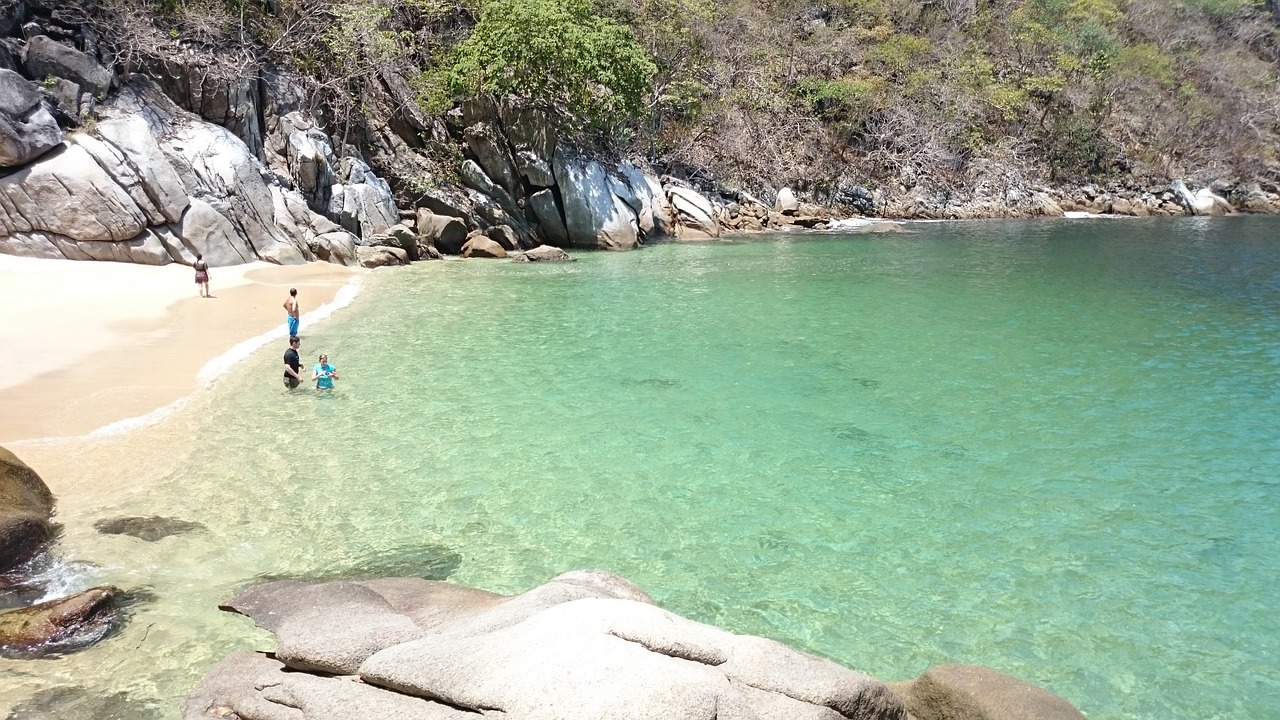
<point>216,367</point>
<point>1081,215</point>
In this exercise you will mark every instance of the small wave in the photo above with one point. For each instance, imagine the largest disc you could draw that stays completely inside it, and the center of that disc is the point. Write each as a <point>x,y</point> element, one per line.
<point>1082,215</point>
<point>240,351</point>
<point>221,364</point>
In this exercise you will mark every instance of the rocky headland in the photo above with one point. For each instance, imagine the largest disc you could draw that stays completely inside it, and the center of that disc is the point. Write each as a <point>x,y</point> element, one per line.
<point>155,160</point>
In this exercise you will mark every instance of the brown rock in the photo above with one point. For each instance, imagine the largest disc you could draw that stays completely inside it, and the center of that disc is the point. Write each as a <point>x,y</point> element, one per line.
<point>974,692</point>
<point>381,256</point>
<point>80,619</point>
<point>481,246</point>
<point>446,234</point>
<point>543,253</point>
<point>26,505</point>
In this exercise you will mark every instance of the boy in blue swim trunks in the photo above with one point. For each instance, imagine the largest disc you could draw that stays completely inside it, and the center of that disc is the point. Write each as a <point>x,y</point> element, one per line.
<point>323,374</point>
<point>291,307</point>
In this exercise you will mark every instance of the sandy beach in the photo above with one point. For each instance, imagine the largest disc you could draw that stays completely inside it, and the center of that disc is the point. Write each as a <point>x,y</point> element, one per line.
<point>87,344</point>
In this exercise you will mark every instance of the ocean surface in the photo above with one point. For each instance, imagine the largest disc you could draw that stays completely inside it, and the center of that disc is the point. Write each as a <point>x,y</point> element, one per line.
<point>1048,447</point>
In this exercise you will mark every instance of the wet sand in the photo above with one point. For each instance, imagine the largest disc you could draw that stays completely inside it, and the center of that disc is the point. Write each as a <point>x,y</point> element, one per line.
<point>87,344</point>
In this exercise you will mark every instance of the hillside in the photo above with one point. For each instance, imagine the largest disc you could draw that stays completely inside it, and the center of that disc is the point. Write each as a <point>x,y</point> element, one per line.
<point>766,94</point>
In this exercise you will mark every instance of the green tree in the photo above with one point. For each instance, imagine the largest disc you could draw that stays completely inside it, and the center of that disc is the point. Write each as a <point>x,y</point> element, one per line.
<point>560,54</point>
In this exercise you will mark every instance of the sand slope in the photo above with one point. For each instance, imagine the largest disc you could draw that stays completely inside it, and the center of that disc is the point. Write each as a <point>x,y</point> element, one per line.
<point>85,344</point>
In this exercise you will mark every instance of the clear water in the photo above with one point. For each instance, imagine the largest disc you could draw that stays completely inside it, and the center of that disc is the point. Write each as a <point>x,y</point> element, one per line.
<point>1048,447</point>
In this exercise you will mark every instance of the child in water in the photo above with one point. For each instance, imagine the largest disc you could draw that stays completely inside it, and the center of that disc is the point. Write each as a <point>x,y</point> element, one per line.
<point>323,374</point>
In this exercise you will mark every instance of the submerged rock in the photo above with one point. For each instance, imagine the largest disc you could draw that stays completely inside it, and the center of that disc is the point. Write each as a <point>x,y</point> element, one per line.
<point>79,703</point>
<point>150,528</point>
<point>59,625</point>
<point>974,692</point>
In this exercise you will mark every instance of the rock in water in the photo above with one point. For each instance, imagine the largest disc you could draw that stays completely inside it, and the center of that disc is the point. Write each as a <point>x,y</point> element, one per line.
<point>587,644</point>
<point>150,528</point>
<point>59,625</point>
<point>543,253</point>
<point>974,692</point>
<point>25,508</point>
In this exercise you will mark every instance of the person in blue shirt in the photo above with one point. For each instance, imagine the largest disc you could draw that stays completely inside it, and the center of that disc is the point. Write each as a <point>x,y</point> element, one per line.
<point>323,374</point>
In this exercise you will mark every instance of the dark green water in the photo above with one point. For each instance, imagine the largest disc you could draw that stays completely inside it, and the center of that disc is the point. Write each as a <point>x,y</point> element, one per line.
<point>1048,447</point>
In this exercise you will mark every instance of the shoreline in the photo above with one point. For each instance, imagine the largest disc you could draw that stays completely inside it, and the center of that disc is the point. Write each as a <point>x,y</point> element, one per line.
<point>93,349</point>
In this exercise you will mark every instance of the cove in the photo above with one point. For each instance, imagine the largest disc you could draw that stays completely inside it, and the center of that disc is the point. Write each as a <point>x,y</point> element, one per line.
<point>1048,447</point>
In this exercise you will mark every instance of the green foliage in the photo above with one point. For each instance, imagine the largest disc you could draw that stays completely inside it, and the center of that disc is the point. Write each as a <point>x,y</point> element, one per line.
<point>843,98</point>
<point>1216,9</point>
<point>559,55</point>
<point>1010,101</point>
<point>358,40</point>
<point>897,54</point>
<point>1075,147</point>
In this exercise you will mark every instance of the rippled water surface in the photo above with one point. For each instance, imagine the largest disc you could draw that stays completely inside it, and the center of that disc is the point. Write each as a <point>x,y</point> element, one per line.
<point>1052,448</point>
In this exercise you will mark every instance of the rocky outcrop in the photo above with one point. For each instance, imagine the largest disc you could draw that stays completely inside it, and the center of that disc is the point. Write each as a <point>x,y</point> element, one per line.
<point>26,507</point>
<point>60,625</point>
<point>196,154</point>
<point>154,185</point>
<point>27,128</point>
<point>595,217</point>
<point>46,57</point>
<point>585,645</point>
<point>1202,202</point>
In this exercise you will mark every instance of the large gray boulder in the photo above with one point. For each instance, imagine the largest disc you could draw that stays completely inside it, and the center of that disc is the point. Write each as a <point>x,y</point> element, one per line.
<point>68,194</point>
<point>249,685</point>
<point>587,644</point>
<point>363,203</point>
<point>1202,202</point>
<point>595,217</point>
<point>599,657</point>
<point>48,57</point>
<point>646,197</point>
<point>445,233</point>
<point>550,220</point>
<point>695,215</point>
<point>328,627</point>
<point>27,128</point>
<point>490,150</point>
<point>531,136</point>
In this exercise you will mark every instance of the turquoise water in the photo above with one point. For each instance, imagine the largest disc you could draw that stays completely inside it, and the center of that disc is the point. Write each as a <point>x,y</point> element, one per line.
<point>1048,447</point>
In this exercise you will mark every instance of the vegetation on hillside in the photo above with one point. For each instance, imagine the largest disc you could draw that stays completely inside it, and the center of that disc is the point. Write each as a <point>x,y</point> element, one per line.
<point>771,92</point>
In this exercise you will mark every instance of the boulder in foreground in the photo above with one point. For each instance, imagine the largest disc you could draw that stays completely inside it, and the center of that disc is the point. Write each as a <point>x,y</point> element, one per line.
<point>587,644</point>
<point>58,625</point>
<point>26,506</point>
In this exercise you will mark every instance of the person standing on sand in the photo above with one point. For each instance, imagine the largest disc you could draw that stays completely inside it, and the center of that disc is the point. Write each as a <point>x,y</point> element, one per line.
<point>292,364</point>
<point>324,374</point>
<point>291,307</point>
<point>202,275</point>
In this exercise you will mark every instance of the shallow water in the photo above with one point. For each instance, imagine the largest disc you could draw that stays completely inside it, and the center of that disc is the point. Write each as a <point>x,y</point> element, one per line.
<point>1048,447</point>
